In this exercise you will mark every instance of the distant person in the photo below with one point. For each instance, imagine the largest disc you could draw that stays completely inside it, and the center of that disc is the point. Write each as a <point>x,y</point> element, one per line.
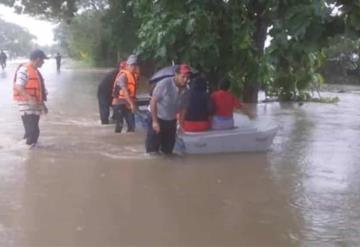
<point>58,61</point>
<point>104,92</point>
<point>3,59</point>
<point>224,104</point>
<point>124,95</point>
<point>199,108</point>
<point>31,94</point>
<point>166,102</point>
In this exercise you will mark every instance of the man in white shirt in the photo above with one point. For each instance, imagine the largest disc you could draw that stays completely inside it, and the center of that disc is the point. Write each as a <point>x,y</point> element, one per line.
<point>30,93</point>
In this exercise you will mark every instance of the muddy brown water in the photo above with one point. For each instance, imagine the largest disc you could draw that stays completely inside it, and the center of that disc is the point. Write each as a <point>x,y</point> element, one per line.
<point>86,186</point>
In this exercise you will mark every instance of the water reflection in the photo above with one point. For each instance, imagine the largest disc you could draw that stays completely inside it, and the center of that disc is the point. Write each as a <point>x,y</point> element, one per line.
<point>317,163</point>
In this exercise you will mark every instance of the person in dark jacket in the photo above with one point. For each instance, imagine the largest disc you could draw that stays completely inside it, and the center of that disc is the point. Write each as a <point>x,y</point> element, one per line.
<point>196,115</point>
<point>104,93</point>
<point>58,61</point>
<point>3,59</point>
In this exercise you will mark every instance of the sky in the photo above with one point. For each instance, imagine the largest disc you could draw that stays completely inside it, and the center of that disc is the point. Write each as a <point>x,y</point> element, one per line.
<point>43,30</point>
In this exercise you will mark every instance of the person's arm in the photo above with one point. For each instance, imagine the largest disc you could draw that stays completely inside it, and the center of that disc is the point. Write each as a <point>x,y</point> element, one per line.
<point>243,108</point>
<point>184,104</point>
<point>246,110</point>
<point>182,114</point>
<point>210,106</point>
<point>153,109</point>
<point>157,96</point>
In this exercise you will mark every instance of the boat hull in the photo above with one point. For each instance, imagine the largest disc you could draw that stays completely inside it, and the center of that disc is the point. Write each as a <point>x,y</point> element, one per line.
<point>243,138</point>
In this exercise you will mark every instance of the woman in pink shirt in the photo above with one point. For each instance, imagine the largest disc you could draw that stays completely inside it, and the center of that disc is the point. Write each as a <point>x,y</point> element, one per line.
<point>225,103</point>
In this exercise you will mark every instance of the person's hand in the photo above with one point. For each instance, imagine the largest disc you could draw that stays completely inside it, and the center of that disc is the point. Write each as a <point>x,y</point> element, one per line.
<point>46,110</point>
<point>132,107</point>
<point>31,100</point>
<point>156,126</point>
<point>252,115</point>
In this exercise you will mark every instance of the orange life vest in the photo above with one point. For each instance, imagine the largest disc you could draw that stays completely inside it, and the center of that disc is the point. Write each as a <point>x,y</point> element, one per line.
<point>33,87</point>
<point>131,85</point>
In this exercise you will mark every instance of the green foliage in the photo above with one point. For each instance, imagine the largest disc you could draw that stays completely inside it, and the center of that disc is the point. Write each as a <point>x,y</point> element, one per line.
<point>123,26</point>
<point>15,40</point>
<point>86,37</point>
<point>220,38</point>
<point>342,52</point>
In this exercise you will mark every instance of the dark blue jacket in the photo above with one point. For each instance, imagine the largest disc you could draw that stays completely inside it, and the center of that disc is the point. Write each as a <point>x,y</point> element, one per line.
<point>199,107</point>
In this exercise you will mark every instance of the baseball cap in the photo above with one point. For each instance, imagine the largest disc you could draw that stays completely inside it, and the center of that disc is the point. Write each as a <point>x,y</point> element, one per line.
<point>37,54</point>
<point>132,59</point>
<point>184,69</point>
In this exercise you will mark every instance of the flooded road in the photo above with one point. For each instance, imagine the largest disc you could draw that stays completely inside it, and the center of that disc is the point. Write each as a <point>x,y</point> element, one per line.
<point>86,186</point>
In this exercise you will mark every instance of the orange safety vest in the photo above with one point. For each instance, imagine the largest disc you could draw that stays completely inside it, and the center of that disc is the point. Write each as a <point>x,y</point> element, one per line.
<point>33,86</point>
<point>131,85</point>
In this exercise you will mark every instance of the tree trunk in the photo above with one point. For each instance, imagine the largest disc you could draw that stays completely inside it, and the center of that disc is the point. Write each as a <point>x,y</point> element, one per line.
<point>251,88</point>
<point>251,93</point>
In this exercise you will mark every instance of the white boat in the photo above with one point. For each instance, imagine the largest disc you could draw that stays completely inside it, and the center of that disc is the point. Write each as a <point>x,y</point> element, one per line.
<point>247,136</point>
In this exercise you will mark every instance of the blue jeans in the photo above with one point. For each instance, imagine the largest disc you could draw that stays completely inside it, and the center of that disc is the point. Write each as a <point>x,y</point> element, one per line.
<point>219,122</point>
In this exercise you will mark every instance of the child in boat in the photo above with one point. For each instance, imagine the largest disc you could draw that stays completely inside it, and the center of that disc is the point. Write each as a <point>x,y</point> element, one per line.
<point>224,104</point>
<point>195,116</point>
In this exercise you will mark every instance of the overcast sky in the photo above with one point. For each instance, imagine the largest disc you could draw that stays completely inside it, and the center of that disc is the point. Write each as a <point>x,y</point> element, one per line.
<point>43,30</point>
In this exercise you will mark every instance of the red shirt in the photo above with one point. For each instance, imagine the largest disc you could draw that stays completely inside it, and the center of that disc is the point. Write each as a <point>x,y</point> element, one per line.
<point>225,103</point>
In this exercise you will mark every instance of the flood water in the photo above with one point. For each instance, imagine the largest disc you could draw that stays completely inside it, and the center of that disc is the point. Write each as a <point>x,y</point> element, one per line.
<point>87,186</point>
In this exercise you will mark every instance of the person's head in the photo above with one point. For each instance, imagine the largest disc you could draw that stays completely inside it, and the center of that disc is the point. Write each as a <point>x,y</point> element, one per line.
<point>224,84</point>
<point>182,75</point>
<point>122,65</point>
<point>132,64</point>
<point>37,58</point>
<point>198,83</point>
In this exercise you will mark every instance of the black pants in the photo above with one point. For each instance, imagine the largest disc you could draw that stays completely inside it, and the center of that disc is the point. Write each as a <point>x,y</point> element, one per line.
<point>31,125</point>
<point>104,108</point>
<point>121,112</point>
<point>164,140</point>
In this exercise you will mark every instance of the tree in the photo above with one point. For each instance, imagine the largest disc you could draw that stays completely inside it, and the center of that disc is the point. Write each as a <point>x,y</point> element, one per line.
<point>87,37</point>
<point>123,25</point>
<point>227,37</point>
<point>16,40</point>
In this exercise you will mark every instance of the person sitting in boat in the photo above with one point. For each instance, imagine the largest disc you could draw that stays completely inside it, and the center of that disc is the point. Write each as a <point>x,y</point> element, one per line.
<point>224,104</point>
<point>198,109</point>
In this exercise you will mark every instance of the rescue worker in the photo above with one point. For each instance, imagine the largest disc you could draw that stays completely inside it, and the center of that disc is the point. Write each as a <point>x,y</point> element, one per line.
<point>30,93</point>
<point>124,95</point>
